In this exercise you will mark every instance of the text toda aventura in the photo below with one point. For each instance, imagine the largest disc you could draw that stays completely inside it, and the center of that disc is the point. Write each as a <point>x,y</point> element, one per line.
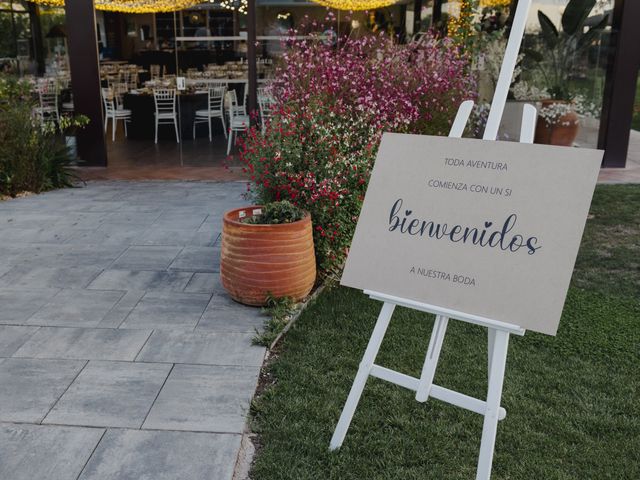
<point>400,220</point>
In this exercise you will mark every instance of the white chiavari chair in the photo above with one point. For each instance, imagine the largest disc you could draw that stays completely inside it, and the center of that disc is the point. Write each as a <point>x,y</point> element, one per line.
<point>266,103</point>
<point>47,100</point>
<point>215,109</point>
<point>165,104</point>
<point>113,111</point>
<point>238,119</point>
<point>133,79</point>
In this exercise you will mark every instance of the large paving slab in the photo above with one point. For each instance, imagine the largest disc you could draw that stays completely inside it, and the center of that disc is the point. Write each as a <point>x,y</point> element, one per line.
<point>46,277</point>
<point>167,311</point>
<point>38,452</point>
<point>34,235</point>
<point>106,234</point>
<point>202,348</point>
<point>204,398</point>
<point>121,310</point>
<point>141,280</point>
<point>110,394</point>
<point>30,387</point>
<point>76,308</point>
<point>155,257</point>
<point>12,337</point>
<point>225,315</point>
<point>171,219</point>
<point>142,455</point>
<point>155,235</point>
<point>198,259</point>
<point>18,305</point>
<point>121,356</point>
<point>82,343</point>
<point>205,282</point>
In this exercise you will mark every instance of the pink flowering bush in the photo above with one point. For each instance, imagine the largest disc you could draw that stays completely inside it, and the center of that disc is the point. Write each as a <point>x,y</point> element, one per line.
<point>332,106</point>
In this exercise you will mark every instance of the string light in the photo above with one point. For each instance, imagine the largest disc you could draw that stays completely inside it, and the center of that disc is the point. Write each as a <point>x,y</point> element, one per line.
<point>239,5</point>
<point>355,5</point>
<point>495,3</point>
<point>150,6</point>
<point>132,6</point>
<point>461,28</point>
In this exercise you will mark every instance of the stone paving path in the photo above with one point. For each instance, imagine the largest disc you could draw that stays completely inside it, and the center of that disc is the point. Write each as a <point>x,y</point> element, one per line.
<point>120,355</point>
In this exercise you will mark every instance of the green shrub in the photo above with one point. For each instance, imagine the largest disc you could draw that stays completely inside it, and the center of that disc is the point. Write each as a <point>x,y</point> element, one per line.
<point>33,154</point>
<point>331,107</point>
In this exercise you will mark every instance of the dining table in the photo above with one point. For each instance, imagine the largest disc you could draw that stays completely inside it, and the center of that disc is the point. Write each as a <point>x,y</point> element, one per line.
<point>142,124</point>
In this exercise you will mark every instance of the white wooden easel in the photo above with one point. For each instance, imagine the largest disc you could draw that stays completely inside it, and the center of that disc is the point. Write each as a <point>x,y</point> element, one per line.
<point>498,332</point>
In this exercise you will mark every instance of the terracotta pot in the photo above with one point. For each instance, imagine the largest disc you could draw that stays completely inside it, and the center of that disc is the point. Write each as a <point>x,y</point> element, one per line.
<point>562,133</point>
<point>257,260</point>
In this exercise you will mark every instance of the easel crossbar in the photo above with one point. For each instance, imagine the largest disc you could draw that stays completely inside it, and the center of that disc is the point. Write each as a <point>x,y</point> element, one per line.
<point>447,312</point>
<point>439,393</point>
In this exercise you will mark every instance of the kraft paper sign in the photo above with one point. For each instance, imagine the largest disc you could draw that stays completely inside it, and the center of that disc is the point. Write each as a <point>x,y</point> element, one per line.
<point>480,227</point>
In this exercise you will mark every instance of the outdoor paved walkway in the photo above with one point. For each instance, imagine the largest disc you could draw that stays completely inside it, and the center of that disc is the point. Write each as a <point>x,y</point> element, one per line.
<point>120,355</point>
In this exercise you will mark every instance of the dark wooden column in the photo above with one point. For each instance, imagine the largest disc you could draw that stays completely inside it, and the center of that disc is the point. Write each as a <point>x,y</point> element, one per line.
<point>513,5</point>
<point>85,79</point>
<point>251,55</point>
<point>417,10</point>
<point>620,84</point>
<point>36,36</point>
<point>437,11</point>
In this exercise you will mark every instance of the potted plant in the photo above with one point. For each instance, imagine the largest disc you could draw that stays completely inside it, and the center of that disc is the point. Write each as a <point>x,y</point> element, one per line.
<point>267,252</point>
<point>558,120</point>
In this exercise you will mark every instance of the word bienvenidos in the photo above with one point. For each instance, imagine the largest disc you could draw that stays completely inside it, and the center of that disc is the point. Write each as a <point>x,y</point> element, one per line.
<point>487,235</point>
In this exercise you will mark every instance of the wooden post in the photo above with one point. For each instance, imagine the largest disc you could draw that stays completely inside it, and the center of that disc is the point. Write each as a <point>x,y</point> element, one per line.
<point>85,80</point>
<point>251,56</point>
<point>437,12</point>
<point>417,9</point>
<point>36,36</point>
<point>620,84</point>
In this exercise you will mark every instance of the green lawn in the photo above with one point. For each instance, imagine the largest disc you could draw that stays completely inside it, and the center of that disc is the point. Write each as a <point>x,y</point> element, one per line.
<point>573,401</point>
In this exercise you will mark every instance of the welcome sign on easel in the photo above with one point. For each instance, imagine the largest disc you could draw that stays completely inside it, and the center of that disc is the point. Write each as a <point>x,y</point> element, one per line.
<point>482,227</point>
<point>479,231</point>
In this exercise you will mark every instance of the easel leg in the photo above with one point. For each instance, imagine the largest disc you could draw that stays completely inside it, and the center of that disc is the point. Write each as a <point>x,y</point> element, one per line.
<point>491,341</point>
<point>362,375</point>
<point>498,360</point>
<point>431,360</point>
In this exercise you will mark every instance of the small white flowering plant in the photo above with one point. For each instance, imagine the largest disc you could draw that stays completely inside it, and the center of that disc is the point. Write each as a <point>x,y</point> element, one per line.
<point>555,113</point>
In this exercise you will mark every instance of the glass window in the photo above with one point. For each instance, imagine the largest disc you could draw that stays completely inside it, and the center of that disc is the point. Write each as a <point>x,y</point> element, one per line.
<point>7,36</point>
<point>574,70</point>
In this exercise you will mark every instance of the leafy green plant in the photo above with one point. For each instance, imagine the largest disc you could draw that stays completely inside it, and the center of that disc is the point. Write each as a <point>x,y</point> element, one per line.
<point>277,213</point>
<point>12,90</point>
<point>33,154</point>
<point>563,47</point>
<point>279,311</point>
